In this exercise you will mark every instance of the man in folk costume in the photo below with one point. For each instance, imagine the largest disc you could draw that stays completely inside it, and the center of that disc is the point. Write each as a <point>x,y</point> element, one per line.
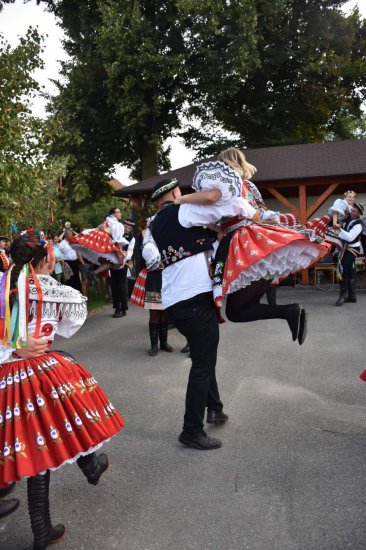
<point>4,257</point>
<point>350,236</point>
<point>187,295</point>
<point>119,275</point>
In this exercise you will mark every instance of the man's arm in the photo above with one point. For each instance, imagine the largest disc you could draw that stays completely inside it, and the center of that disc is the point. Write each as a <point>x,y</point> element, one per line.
<point>191,215</point>
<point>351,235</point>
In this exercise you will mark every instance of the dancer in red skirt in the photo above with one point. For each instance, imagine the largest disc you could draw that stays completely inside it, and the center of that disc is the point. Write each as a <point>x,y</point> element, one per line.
<point>251,255</point>
<point>147,293</point>
<point>52,410</point>
<point>104,245</point>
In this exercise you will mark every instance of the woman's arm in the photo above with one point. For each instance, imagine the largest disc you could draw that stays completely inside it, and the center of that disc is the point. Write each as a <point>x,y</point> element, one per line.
<point>200,197</point>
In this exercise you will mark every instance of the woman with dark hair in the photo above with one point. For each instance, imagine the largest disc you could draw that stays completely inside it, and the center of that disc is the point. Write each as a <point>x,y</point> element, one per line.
<point>52,410</point>
<point>147,292</point>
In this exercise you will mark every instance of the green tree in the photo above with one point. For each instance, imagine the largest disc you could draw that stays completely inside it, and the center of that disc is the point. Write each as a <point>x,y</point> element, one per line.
<point>309,83</point>
<point>136,69</point>
<point>28,179</point>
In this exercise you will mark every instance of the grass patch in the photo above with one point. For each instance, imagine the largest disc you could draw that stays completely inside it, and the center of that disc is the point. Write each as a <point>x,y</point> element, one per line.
<point>96,300</point>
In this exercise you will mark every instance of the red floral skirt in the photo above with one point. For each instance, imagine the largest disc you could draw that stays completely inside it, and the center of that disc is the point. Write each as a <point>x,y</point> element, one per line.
<point>267,252</point>
<point>138,292</point>
<point>95,245</point>
<point>52,410</point>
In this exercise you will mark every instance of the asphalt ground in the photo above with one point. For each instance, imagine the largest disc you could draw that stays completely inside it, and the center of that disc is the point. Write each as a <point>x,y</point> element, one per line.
<point>290,474</point>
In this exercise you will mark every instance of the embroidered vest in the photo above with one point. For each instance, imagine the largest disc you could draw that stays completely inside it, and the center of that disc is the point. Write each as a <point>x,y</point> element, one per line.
<point>174,241</point>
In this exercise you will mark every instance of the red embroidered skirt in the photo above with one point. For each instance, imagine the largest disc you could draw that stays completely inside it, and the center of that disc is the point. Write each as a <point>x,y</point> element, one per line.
<point>95,245</point>
<point>52,410</point>
<point>262,252</point>
<point>138,292</point>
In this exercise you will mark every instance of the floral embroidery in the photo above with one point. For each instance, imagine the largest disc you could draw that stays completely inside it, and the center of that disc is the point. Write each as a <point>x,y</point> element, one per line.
<point>171,255</point>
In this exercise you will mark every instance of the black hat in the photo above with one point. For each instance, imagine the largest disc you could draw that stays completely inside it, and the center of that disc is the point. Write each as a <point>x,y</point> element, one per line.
<point>129,222</point>
<point>2,238</point>
<point>163,187</point>
<point>359,207</point>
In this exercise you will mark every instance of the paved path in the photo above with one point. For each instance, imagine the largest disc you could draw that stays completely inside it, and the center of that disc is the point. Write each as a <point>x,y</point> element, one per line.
<point>291,474</point>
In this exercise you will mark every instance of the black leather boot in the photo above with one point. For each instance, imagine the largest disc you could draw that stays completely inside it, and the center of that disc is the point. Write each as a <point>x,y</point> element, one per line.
<point>154,338</point>
<point>39,511</point>
<point>352,291</point>
<point>342,292</point>
<point>93,466</point>
<point>8,506</point>
<point>163,336</point>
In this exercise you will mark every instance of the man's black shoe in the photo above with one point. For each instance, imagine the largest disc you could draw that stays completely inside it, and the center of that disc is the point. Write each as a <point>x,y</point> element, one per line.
<point>303,327</point>
<point>293,319</point>
<point>200,441</point>
<point>8,506</point>
<point>123,313</point>
<point>216,417</point>
<point>117,313</point>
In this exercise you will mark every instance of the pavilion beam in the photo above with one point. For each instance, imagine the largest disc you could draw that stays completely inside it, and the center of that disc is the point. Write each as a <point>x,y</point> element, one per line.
<point>319,201</point>
<point>283,200</point>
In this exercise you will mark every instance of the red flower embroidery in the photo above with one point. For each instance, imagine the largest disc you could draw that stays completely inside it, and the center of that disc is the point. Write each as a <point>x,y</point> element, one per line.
<point>47,329</point>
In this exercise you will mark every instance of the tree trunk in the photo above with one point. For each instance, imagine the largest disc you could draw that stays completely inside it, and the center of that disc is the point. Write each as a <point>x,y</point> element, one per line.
<point>149,160</point>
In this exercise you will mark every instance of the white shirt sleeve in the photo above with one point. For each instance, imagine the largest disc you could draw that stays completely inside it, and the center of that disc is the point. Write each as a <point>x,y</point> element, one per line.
<point>117,230</point>
<point>130,248</point>
<point>191,215</point>
<point>351,235</point>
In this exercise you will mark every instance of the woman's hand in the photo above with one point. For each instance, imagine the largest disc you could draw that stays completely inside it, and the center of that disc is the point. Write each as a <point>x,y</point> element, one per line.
<point>256,217</point>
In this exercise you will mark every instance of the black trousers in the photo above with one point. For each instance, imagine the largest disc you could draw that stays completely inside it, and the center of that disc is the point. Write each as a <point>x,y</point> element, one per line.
<point>119,288</point>
<point>348,264</point>
<point>74,281</point>
<point>197,320</point>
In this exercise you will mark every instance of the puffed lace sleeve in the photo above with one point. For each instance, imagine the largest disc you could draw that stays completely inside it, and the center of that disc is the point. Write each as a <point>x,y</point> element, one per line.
<point>60,302</point>
<point>218,175</point>
<point>5,354</point>
<point>339,206</point>
<point>72,316</point>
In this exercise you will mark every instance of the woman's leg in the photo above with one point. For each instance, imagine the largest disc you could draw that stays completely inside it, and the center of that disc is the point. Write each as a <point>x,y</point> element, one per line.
<point>163,331</point>
<point>39,511</point>
<point>243,307</point>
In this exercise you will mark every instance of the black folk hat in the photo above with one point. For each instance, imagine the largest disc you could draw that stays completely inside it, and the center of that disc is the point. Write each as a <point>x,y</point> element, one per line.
<point>129,222</point>
<point>359,207</point>
<point>163,187</point>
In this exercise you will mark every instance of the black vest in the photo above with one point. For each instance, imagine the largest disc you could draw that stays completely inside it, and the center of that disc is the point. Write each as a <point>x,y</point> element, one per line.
<point>175,242</point>
<point>349,225</point>
<point>128,238</point>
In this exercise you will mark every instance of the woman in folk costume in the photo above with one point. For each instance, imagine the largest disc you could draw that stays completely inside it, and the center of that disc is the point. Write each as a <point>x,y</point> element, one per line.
<point>326,226</point>
<point>52,410</point>
<point>103,246</point>
<point>251,255</point>
<point>147,292</point>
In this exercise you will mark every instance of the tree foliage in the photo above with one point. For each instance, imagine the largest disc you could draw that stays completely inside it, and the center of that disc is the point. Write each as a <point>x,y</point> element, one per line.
<point>308,86</point>
<point>28,179</point>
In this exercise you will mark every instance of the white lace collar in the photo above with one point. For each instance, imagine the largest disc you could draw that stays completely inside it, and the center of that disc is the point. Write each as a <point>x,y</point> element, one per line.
<point>53,291</point>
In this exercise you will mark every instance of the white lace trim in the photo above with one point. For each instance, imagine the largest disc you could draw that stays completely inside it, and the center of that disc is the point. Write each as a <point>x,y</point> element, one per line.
<point>281,263</point>
<point>93,256</point>
<point>218,175</point>
<point>53,310</point>
<point>53,291</point>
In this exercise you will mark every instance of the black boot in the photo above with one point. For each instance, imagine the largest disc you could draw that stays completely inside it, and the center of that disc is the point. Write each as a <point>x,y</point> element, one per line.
<point>93,466</point>
<point>163,336</point>
<point>8,506</point>
<point>352,291</point>
<point>342,292</point>
<point>154,338</point>
<point>39,511</point>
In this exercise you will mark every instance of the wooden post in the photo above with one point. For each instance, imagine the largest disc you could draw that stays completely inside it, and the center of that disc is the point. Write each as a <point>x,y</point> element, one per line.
<point>302,218</point>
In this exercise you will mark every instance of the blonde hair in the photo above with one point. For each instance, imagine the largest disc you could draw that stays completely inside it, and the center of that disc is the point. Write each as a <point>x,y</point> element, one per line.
<point>236,159</point>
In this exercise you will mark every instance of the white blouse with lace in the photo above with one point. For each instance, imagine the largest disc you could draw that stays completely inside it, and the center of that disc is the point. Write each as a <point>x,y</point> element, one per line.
<point>63,312</point>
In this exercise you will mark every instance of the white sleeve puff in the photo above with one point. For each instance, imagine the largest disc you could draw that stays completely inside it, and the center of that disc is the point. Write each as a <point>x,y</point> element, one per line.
<point>5,353</point>
<point>224,188</point>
